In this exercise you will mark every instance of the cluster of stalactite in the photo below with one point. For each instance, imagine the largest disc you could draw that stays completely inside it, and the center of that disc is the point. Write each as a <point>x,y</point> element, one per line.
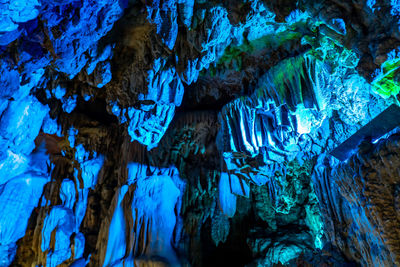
<point>196,133</point>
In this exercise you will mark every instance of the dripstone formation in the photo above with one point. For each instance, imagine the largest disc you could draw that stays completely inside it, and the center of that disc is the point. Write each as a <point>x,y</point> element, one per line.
<point>198,133</point>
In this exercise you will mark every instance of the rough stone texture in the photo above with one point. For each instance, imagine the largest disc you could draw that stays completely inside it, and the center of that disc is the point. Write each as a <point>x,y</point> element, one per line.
<point>197,133</point>
<point>359,199</point>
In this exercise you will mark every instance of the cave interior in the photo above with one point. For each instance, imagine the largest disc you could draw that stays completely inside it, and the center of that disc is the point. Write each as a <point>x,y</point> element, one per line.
<point>199,133</point>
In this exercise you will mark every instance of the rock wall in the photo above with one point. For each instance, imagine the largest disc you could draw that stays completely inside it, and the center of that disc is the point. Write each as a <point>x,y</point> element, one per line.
<point>359,199</point>
<point>197,133</point>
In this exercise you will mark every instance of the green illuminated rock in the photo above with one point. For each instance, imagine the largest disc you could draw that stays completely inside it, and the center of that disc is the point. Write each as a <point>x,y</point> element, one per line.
<point>387,83</point>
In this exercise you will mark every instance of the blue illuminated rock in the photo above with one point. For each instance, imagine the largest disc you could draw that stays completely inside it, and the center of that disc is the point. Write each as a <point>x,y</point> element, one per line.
<point>265,118</point>
<point>212,42</point>
<point>150,213</point>
<point>219,28</point>
<point>281,252</point>
<point>116,241</point>
<point>17,80</point>
<point>61,220</point>
<point>21,122</point>
<point>69,104</point>
<point>83,25</point>
<point>265,128</point>
<point>149,126</point>
<point>88,87</point>
<point>100,65</point>
<point>18,198</point>
<point>378,127</point>
<point>96,58</point>
<point>12,14</point>
<point>66,219</point>
<point>9,79</point>
<point>227,200</point>
<point>149,121</point>
<point>12,164</point>
<point>164,14</point>
<point>191,70</point>
<point>220,227</point>
<point>23,11</point>
<point>89,167</point>
<point>185,11</point>
<point>364,188</point>
<point>50,126</point>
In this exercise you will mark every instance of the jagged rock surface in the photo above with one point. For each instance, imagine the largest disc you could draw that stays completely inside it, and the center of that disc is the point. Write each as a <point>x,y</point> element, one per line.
<point>359,199</point>
<point>196,133</point>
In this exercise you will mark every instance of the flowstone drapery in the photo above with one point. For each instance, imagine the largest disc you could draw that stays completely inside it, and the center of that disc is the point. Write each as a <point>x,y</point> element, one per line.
<point>197,133</point>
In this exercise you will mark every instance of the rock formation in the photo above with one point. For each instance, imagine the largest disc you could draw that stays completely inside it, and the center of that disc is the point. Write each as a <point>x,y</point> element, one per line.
<point>197,133</point>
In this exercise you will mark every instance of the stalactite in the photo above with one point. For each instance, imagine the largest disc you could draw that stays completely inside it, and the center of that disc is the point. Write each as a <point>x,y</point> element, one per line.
<point>197,133</point>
